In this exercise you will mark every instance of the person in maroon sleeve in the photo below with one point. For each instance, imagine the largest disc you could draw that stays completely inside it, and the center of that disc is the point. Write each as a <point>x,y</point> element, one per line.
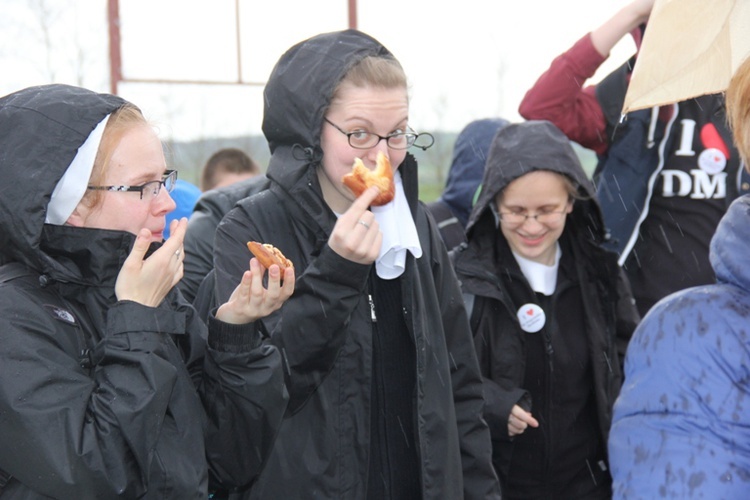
<point>559,94</point>
<point>665,175</point>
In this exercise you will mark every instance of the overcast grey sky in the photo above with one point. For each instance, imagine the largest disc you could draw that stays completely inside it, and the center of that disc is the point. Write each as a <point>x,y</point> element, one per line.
<point>465,59</point>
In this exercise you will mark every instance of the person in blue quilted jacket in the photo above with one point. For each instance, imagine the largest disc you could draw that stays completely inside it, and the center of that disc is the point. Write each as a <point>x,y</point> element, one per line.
<point>681,425</point>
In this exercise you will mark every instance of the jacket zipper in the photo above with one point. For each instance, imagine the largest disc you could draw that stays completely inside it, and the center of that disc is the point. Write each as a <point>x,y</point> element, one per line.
<point>552,322</point>
<point>373,316</point>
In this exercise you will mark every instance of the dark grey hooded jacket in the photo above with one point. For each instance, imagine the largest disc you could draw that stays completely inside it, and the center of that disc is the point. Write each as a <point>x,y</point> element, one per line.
<point>102,398</point>
<point>325,328</point>
<point>199,238</point>
<point>488,271</point>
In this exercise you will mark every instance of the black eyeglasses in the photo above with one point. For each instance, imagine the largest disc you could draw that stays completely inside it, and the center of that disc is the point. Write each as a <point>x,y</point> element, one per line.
<point>362,139</point>
<point>148,190</point>
<point>545,217</point>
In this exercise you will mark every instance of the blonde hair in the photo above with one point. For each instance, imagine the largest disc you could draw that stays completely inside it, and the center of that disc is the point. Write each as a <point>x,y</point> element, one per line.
<point>373,71</point>
<point>570,186</point>
<point>738,109</point>
<point>120,121</point>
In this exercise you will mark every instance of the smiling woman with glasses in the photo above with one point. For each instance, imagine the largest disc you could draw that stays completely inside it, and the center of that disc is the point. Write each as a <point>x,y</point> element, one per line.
<point>544,216</point>
<point>551,314</point>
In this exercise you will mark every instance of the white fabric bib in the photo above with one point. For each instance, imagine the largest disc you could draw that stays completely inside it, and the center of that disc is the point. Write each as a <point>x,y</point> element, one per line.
<point>543,279</point>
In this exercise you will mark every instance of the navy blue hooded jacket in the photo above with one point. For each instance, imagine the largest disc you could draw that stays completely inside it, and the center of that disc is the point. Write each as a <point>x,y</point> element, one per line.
<point>451,210</point>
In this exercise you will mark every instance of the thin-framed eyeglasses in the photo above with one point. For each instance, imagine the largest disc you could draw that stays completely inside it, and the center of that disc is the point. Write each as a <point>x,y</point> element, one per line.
<point>149,190</point>
<point>518,218</point>
<point>362,139</point>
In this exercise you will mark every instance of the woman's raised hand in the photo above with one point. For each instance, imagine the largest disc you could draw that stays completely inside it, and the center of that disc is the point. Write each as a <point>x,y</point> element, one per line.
<point>147,281</point>
<point>356,235</point>
<point>250,301</point>
<point>518,420</point>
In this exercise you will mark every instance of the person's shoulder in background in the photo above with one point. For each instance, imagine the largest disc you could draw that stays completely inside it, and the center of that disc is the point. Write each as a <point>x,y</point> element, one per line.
<point>199,238</point>
<point>185,195</point>
<point>451,210</point>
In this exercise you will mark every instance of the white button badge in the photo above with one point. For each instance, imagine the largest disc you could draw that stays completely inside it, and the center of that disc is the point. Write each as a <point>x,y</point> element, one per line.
<point>531,317</point>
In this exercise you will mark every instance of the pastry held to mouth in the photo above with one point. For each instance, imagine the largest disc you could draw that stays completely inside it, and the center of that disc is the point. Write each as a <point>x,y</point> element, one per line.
<point>361,178</point>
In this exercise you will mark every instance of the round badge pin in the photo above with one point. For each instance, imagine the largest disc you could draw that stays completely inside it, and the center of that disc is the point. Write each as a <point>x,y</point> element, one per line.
<point>712,161</point>
<point>531,317</point>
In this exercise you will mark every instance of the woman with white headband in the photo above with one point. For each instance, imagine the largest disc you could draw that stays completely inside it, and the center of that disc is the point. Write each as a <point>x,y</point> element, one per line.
<point>109,383</point>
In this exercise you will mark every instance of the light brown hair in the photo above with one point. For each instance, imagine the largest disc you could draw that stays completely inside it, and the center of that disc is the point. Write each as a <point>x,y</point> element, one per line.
<point>120,121</point>
<point>384,72</point>
<point>568,184</point>
<point>738,109</point>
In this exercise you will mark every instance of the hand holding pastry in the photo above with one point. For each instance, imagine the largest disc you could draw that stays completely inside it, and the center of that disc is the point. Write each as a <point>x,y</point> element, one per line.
<point>356,235</point>
<point>250,301</point>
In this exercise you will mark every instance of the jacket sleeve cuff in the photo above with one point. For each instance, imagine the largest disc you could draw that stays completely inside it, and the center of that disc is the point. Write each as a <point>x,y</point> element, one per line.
<point>347,273</point>
<point>127,316</point>
<point>228,337</point>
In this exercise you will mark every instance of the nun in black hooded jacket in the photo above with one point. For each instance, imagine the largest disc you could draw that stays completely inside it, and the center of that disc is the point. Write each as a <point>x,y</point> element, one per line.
<point>385,392</point>
<point>110,384</point>
<point>551,314</point>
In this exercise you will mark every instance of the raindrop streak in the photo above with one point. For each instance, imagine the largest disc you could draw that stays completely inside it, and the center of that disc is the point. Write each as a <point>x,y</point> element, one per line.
<point>403,431</point>
<point>666,240</point>
<point>323,308</point>
<point>695,259</point>
<point>286,362</point>
<point>455,366</point>
<point>591,472</point>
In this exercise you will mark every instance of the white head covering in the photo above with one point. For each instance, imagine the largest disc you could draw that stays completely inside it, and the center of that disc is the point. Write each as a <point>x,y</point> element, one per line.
<point>399,234</point>
<point>71,188</point>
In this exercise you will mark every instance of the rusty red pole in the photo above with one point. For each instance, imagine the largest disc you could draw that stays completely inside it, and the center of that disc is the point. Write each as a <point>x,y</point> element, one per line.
<point>115,59</point>
<point>353,14</point>
<point>239,40</point>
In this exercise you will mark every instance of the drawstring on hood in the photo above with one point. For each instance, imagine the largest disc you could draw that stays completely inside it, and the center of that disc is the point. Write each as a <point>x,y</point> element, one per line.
<point>308,155</point>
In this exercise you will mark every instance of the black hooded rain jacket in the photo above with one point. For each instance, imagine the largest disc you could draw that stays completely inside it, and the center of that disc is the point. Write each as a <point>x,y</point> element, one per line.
<point>325,329</point>
<point>589,320</point>
<point>102,398</point>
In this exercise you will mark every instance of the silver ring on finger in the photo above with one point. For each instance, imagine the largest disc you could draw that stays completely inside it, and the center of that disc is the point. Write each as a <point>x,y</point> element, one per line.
<point>177,253</point>
<point>360,221</point>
